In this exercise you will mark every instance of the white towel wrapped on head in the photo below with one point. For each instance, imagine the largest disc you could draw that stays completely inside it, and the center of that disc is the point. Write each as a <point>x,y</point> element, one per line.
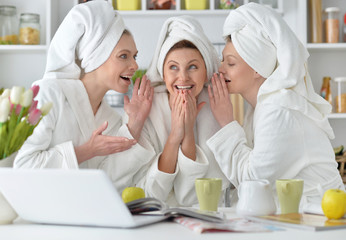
<point>88,33</point>
<point>267,44</point>
<point>174,30</point>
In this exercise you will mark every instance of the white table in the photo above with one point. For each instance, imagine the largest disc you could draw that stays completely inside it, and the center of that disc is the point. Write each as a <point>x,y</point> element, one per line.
<point>162,230</point>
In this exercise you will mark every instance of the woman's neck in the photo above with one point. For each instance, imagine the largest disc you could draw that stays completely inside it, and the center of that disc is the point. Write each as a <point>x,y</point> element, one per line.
<point>251,94</point>
<point>95,92</point>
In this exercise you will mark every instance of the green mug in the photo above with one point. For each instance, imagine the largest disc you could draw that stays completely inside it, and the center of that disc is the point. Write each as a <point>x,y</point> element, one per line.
<point>289,193</point>
<point>208,192</point>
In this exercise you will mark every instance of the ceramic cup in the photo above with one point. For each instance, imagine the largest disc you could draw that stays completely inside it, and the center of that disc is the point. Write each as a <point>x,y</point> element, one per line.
<point>289,194</point>
<point>208,192</point>
<point>255,198</point>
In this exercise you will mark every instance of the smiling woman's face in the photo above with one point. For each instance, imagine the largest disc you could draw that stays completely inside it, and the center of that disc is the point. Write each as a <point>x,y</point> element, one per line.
<point>184,69</point>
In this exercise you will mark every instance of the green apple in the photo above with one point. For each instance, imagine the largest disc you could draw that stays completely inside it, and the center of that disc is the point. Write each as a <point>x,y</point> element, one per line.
<point>132,193</point>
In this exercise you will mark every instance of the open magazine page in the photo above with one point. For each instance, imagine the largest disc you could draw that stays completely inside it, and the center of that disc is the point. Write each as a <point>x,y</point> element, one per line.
<point>153,206</point>
<point>301,221</point>
<point>229,225</point>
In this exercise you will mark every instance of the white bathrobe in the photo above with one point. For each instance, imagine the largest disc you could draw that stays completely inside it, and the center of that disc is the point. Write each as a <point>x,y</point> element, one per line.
<point>277,143</point>
<point>70,123</point>
<point>287,135</point>
<point>178,189</point>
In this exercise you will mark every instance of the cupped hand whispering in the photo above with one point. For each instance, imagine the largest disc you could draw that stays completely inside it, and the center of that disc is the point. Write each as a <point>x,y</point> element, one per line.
<point>220,101</point>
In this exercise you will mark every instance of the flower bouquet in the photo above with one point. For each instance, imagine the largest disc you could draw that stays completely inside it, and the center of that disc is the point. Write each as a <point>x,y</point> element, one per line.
<point>19,116</point>
<point>228,4</point>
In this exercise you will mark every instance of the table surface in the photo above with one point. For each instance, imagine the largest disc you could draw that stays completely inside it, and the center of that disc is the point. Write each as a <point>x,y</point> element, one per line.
<point>164,230</point>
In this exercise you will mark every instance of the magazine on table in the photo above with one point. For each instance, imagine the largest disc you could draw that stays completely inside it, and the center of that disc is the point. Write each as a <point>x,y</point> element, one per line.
<point>303,221</point>
<point>239,225</point>
<point>153,206</point>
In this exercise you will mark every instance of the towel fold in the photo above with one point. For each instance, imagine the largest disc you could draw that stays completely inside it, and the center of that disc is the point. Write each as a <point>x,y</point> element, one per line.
<point>88,33</point>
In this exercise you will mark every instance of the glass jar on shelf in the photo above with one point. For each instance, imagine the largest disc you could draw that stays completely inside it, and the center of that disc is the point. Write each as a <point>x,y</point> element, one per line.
<point>29,29</point>
<point>332,25</point>
<point>8,25</point>
<point>340,99</point>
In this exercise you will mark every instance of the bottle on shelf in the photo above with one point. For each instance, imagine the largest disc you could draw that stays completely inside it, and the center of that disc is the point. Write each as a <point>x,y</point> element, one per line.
<point>8,25</point>
<point>29,29</point>
<point>325,90</point>
<point>332,24</point>
<point>315,11</point>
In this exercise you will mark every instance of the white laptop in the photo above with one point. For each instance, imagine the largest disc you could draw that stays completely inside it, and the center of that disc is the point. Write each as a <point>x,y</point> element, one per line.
<point>68,197</point>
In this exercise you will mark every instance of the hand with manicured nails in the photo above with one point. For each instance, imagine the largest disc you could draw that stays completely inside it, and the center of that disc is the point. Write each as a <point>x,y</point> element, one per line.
<point>102,145</point>
<point>139,107</point>
<point>220,101</point>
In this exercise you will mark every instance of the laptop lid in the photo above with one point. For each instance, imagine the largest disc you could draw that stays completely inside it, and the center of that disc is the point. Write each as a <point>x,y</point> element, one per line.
<point>68,197</point>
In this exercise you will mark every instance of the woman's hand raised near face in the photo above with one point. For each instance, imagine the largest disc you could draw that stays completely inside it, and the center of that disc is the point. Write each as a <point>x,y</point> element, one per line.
<point>102,145</point>
<point>139,107</point>
<point>220,101</point>
<point>177,118</point>
<point>191,110</point>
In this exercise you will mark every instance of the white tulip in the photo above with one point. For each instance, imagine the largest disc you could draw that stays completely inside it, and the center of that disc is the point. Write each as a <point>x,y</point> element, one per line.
<point>4,110</point>
<point>6,93</point>
<point>46,108</point>
<point>26,98</point>
<point>16,94</point>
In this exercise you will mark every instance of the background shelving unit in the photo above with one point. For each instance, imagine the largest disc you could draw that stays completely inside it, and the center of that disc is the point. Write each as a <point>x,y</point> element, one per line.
<point>329,59</point>
<point>212,8</point>
<point>23,64</point>
<point>41,7</point>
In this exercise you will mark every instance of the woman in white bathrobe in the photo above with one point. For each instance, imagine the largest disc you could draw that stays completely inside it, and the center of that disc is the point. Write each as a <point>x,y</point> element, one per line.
<point>286,131</point>
<point>180,120</point>
<point>82,130</point>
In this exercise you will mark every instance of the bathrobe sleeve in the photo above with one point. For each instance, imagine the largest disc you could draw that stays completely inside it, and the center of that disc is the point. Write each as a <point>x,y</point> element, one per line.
<point>156,183</point>
<point>38,151</point>
<point>127,168</point>
<point>160,185</point>
<point>278,146</point>
<point>189,170</point>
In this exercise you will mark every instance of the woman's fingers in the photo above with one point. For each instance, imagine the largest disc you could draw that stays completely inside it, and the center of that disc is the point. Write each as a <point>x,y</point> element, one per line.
<point>143,86</point>
<point>101,128</point>
<point>147,89</point>
<point>135,87</point>
<point>224,85</point>
<point>218,83</point>
<point>215,88</point>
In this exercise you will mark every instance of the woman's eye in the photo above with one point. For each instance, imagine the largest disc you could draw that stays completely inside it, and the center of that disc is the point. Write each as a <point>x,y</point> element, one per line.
<point>123,56</point>
<point>193,67</point>
<point>173,67</point>
<point>135,57</point>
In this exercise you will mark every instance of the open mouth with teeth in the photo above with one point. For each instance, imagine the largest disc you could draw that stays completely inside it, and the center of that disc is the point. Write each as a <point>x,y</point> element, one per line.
<point>185,87</point>
<point>126,78</point>
<point>227,80</point>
